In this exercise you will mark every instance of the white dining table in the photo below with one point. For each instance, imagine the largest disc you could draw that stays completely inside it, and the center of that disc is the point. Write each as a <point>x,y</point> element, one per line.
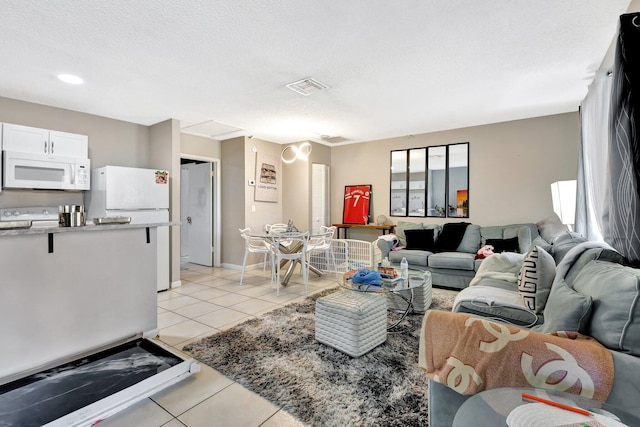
<point>293,248</point>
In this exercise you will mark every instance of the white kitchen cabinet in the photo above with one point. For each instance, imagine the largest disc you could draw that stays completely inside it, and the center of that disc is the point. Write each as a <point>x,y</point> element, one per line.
<point>28,139</point>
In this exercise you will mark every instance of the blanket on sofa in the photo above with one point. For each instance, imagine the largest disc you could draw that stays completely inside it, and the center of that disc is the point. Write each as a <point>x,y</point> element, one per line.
<point>503,266</point>
<point>469,354</point>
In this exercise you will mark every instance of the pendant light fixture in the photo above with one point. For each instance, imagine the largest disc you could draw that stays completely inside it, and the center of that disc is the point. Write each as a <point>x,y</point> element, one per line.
<point>291,152</point>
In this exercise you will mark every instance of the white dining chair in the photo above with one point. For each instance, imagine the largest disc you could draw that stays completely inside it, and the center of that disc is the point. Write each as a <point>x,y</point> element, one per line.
<point>256,245</point>
<point>322,243</point>
<point>292,247</point>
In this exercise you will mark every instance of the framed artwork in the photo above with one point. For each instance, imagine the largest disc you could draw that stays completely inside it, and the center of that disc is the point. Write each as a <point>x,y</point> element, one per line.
<point>267,178</point>
<point>357,204</point>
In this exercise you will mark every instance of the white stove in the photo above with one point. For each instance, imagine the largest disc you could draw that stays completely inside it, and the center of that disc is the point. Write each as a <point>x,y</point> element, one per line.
<point>40,216</point>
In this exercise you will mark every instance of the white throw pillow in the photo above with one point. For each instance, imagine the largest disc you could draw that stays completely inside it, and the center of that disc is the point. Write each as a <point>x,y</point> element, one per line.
<point>535,278</point>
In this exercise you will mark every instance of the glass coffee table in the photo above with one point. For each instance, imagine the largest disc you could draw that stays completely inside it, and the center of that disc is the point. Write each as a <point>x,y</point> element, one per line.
<point>403,296</point>
<point>493,407</point>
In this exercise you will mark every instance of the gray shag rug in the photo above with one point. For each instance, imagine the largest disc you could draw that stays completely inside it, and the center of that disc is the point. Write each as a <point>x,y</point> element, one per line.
<point>277,357</point>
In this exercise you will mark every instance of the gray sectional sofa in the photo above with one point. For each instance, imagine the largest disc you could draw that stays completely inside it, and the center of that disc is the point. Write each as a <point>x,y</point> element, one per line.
<point>454,268</point>
<point>591,292</point>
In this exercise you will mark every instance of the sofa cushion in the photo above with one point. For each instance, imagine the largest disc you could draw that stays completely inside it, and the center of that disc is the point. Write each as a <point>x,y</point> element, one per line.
<point>471,240</point>
<point>539,241</point>
<point>566,310</point>
<point>535,278</point>
<point>413,257</point>
<point>420,239</point>
<point>404,225</point>
<point>495,302</point>
<point>504,245</point>
<point>550,228</point>
<point>452,260</point>
<point>615,290</point>
<point>564,243</point>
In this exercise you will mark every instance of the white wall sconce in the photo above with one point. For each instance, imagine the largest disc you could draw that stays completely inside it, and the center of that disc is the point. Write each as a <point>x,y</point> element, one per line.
<point>563,196</point>
<point>291,152</point>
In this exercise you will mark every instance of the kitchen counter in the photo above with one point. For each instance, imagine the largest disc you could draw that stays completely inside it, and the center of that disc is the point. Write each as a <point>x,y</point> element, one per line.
<point>87,228</point>
<point>69,290</point>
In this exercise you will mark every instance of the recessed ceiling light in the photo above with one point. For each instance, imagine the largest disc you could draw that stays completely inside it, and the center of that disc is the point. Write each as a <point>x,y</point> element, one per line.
<point>71,79</point>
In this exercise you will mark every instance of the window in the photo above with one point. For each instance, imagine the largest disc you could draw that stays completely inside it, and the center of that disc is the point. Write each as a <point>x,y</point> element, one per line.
<point>430,181</point>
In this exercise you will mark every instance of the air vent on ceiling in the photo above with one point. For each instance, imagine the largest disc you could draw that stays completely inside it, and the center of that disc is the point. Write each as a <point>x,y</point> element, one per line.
<point>333,139</point>
<point>307,86</point>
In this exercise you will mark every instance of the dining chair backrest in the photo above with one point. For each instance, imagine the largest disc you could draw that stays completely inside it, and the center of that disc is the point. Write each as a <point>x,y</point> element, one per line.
<point>320,241</point>
<point>325,229</point>
<point>253,243</point>
<point>276,228</point>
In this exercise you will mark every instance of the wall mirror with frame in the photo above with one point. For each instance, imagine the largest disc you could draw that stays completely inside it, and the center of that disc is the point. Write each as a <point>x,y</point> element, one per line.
<point>398,183</point>
<point>430,181</point>
<point>458,180</point>
<point>417,181</point>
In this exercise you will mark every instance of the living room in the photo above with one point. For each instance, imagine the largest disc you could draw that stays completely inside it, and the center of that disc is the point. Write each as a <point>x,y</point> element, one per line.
<point>512,164</point>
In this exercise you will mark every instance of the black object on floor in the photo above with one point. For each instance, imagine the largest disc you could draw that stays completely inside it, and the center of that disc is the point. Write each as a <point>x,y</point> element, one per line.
<point>51,394</point>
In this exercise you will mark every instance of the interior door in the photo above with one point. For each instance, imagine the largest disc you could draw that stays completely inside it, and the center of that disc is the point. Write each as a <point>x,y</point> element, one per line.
<point>320,211</point>
<point>184,213</point>
<point>199,214</point>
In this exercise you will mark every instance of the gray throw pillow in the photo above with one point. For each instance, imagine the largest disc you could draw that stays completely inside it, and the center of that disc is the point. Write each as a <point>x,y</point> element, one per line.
<point>615,290</point>
<point>471,240</point>
<point>550,228</point>
<point>539,241</point>
<point>535,278</point>
<point>567,310</point>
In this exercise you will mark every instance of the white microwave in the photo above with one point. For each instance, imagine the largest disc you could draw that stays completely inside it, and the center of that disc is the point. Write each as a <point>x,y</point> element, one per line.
<point>41,171</point>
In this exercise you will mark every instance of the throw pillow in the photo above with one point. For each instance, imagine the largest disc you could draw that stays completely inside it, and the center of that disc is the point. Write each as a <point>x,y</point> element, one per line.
<point>504,245</point>
<point>567,310</point>
<point>405,225</point>
<point>615,290</point>
<point>550,228</point>
<point>421,240</point>
<point>470,240</point>
<point>451,236</point>
<point>535,278</point>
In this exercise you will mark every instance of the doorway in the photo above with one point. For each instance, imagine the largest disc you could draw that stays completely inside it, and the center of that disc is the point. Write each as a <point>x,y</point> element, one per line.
<point>320,207</point>
<point>200,210</point>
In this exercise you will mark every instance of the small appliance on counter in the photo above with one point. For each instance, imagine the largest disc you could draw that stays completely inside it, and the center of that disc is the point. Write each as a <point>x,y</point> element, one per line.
<point>71,216</point>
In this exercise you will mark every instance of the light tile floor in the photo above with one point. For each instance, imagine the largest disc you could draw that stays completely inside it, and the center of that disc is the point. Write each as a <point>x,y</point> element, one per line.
<point>211,300</point>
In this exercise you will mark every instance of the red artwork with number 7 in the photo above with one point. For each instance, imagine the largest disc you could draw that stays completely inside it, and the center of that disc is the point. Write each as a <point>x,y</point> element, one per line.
<point>357,199</point>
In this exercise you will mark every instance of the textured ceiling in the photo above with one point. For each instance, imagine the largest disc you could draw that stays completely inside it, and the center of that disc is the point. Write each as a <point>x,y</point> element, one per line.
<point>393,68</point>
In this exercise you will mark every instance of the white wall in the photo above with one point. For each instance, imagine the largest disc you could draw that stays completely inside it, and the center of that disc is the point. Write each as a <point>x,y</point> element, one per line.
<point>512,165</point>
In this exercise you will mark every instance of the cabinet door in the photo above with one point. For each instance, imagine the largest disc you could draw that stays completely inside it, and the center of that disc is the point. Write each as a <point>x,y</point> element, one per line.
<point>25,139</point>
<point>68,144</point>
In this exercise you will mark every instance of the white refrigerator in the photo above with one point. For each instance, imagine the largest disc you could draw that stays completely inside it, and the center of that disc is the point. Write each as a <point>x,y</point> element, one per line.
<point>142,194</point>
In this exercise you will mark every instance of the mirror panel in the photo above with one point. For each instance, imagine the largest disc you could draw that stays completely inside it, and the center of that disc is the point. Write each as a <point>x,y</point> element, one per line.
<point>417,181</point>
<point>436,181</point>
<point>458,180</point>
<point>398,198</point>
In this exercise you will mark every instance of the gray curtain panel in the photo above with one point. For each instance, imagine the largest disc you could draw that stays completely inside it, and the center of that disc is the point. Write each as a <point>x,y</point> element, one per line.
<point>592,157</point>
<point>622,220</point>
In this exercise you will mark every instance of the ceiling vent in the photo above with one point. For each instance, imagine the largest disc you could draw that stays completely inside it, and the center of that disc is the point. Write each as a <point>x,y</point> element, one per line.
<point>333,139</point>
<point>307,86</point>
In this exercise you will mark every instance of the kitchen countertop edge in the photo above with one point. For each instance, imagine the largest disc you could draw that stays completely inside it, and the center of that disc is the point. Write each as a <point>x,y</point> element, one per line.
<point>86,228</point>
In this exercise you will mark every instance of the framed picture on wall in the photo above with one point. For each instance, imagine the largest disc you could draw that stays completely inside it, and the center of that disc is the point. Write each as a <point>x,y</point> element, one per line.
<point>357,204</point>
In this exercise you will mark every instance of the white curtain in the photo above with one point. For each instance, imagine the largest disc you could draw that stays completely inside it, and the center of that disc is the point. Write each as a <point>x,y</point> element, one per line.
<point>592,158</point>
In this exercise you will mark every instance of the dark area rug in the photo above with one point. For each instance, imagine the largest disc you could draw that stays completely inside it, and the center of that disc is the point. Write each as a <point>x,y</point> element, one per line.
<point>277,357</point>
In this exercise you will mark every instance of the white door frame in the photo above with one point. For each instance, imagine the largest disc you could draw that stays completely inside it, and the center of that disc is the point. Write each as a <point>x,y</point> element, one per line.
<point>216,202</point>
